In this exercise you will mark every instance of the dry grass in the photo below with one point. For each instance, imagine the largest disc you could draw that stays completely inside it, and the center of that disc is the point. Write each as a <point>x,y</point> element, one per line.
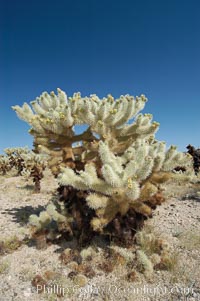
<point>190,240</point>
<point>148,243</point>
<point>182,273</point>
<point>10,244</point>
<point>4,266</point>
<point>170,262</point>
<point>178,190</point>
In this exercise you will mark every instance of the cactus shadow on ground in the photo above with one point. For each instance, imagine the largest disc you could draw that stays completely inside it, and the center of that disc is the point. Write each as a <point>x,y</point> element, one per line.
<point>28,187</point>
<point>21,214</point>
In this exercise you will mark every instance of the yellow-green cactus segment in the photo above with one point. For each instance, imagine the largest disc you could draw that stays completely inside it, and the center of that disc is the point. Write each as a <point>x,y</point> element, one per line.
<point>100,122</point>
<point>61,115</point>
<point>130,183</point>
<point>113,111</point>
<point>155,124</point>
<point>110,98</point>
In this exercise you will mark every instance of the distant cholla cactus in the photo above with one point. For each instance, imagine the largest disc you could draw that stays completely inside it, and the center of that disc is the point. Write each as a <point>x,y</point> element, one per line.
<point>26,162</point>
<point>4,164</point>
<point>14,155</point>
<point>195,153</point>
<point>34,165</point>
<point>111,180</point>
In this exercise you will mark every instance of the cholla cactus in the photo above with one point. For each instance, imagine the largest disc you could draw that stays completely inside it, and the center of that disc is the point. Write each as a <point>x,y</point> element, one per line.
<point>144,263</point>
<point>14,155</point>
<point>34,165</point>
<point>53,118</point>
<point>127,181</point>
<point>195,153</point>
<point>110,181</point>
<point>4,164</point>
<point>27,163</point>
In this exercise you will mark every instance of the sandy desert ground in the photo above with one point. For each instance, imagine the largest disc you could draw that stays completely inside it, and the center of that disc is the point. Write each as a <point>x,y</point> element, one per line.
<point>177,221</point>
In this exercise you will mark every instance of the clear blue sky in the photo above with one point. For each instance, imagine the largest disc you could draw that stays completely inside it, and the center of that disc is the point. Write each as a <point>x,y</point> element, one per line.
<point>118,47</point>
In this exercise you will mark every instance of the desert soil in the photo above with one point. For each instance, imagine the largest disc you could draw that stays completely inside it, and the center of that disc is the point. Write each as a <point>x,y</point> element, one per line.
<point>177,221</point>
